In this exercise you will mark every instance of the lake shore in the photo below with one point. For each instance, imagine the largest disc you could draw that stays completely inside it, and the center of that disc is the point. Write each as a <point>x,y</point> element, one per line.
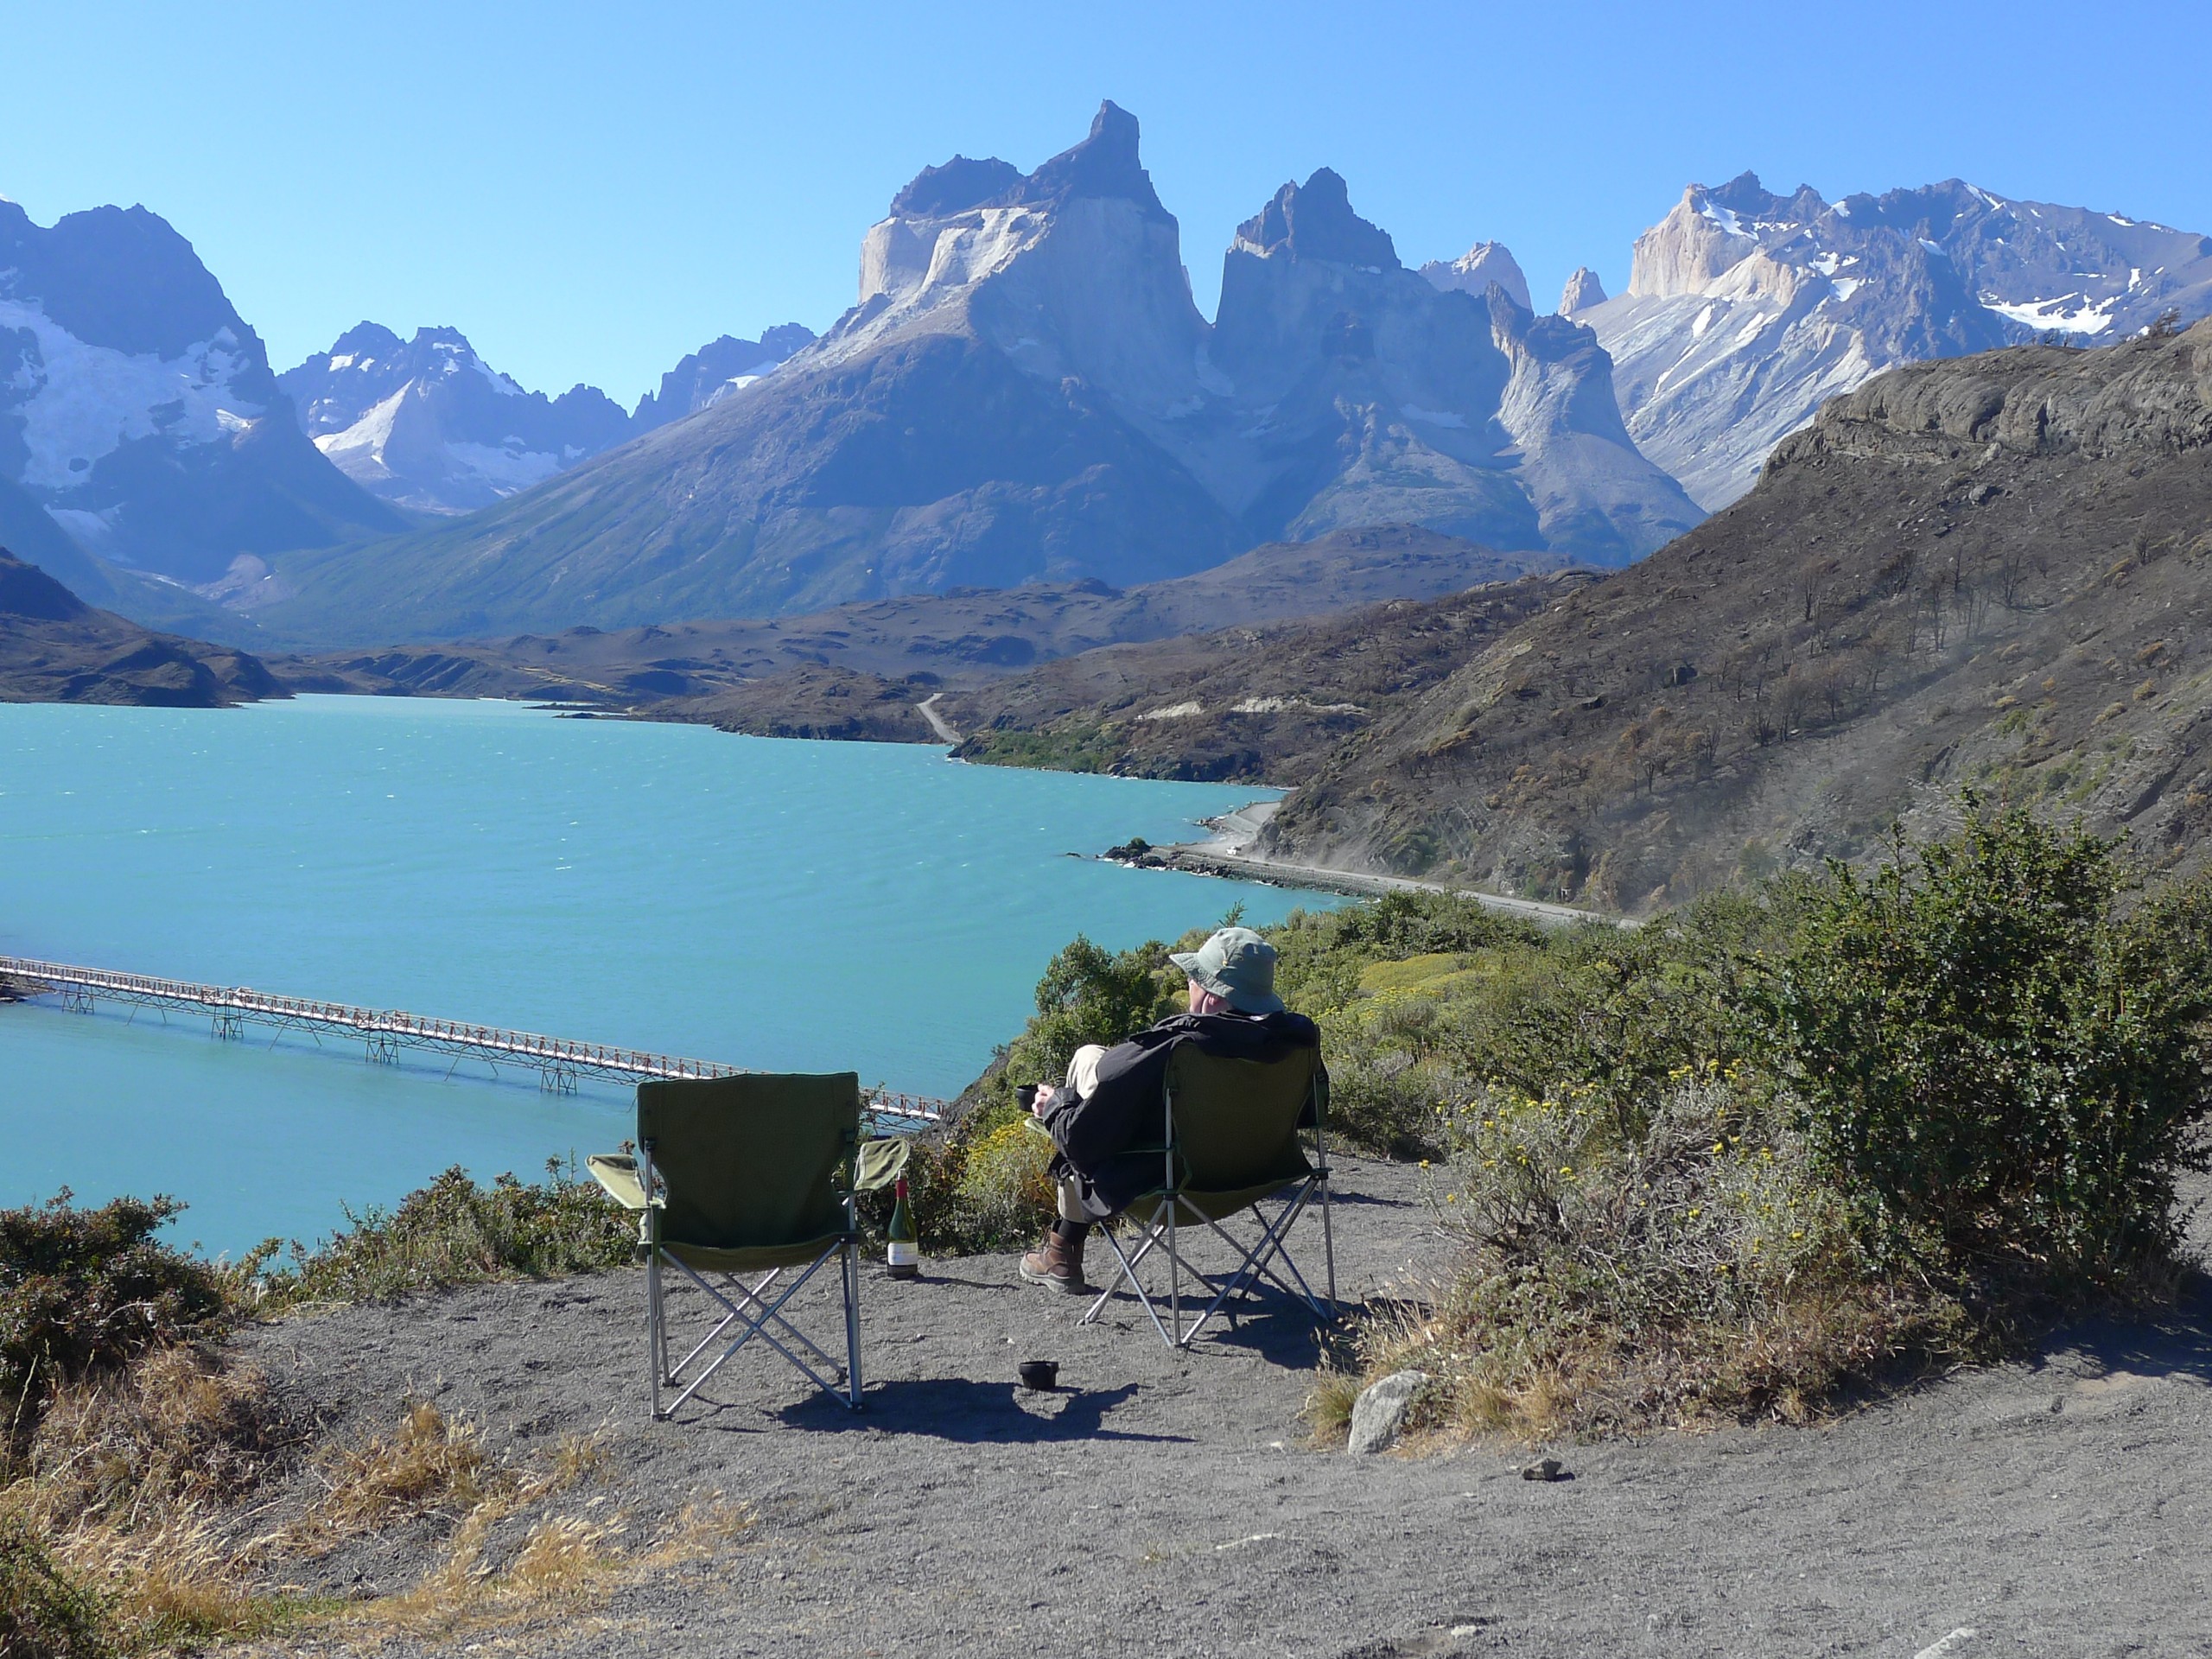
<point>1224,854</point>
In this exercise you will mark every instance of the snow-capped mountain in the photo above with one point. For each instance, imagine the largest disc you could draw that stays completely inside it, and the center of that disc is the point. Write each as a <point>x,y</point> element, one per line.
<point>429,424</point>
<point>138,409</point>
<point>1334,388</point>
<point>707,376</point>
<point>1025,389</point>
<point>1746,310</point>
<point>1368,395</point>
<point>1473,271</point>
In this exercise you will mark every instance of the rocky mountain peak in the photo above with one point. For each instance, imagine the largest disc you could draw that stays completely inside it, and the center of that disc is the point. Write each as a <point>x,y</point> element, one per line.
<point>1747,311</point>
<point>1105,164</point>
<point>367,339</point>
<point>137,408</point>
<point>1475,269</point>
<point>959,184</point>
<point>427,423</point>
<point>707,376</point>
<point>1582,291</point>
<point>1315,221</point>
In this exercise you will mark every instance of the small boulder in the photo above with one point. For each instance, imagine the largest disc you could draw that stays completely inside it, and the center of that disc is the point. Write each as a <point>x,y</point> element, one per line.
<point>1380,1412</point>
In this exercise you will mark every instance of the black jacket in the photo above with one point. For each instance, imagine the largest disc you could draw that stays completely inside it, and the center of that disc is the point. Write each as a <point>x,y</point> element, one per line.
<point>1094,1136</point>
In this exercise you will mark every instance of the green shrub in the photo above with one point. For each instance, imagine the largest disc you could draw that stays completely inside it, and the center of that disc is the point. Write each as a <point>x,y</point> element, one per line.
<point>2000,1069</point>
<point>44,1613</point>
<point>1089,995</point>
<point>85,1289</point>
<point>455,1232</point>
<point>1696,1268</point>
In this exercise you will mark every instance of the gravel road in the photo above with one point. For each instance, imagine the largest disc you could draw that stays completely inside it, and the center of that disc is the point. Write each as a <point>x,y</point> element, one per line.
<point>1169,1503</point>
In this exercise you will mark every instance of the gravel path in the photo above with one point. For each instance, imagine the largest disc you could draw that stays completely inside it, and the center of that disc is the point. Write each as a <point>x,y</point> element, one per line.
<point>1169,1503</point>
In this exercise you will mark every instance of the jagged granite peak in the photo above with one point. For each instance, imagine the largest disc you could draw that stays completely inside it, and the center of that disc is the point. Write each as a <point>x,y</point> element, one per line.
<point>1105,164</point>
<point>1582,291</point>
<point>1364,393</point>
<point>722,366</point>
<point>1478,268</point>
<point>1315,221</point>
<point>426,424</point>
<point>1746,309</point>
<point>137,408</point>
<point>1074,271</point>
<point>1025,391</point>
<point>954,187</point>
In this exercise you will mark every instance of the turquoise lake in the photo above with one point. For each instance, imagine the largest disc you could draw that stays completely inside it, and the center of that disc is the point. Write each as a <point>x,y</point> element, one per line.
<point>785,906</point>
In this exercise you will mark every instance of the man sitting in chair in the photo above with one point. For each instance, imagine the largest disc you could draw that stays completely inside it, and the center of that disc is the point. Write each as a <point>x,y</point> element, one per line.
<point>1111,1101</point>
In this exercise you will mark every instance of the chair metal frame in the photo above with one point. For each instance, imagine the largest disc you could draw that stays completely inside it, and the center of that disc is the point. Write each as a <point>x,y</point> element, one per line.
<point>738,1310</point>
<point>1162,1233</point>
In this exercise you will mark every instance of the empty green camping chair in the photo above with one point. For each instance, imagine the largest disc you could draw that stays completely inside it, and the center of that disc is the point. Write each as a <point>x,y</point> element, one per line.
<point>1232,1139</point>
<point>749,1177</point>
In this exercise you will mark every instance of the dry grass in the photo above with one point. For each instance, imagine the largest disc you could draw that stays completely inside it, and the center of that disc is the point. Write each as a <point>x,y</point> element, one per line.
<point>1620,1276</point>
<point>427,1465</point>
<point>177,1429</point>
<point>129,1523</point>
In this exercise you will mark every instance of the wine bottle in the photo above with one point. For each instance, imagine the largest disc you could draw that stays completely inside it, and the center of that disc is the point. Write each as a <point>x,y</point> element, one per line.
<point>905,1254</point>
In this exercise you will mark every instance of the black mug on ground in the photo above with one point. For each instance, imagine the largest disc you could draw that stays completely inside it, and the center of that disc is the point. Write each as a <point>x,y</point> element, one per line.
<point>1042,1375</point>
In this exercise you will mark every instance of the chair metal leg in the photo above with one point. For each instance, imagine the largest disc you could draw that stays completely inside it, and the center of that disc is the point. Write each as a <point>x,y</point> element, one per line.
<point>656,1327</point>
<point>853,1323</point>
<point>1174,1272</point>
<point>759,1327</point>
<point>1328,1243</point>
<point>1128,1265</point>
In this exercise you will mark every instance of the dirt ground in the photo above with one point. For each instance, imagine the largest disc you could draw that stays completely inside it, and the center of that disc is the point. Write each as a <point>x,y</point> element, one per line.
<point>1170,1503</point>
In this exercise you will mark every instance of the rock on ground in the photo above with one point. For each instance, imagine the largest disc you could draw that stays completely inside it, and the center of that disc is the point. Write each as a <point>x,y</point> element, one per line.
<point>1379,1414</point>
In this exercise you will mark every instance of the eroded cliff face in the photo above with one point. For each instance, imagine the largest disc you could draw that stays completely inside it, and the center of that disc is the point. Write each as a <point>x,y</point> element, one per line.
<point>1365,393</point>
<point>1996,570</point>
<point>1746,310</point>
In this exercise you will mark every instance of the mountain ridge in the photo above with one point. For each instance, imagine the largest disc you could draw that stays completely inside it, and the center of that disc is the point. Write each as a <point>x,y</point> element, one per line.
<point>1991,571</point>
<point>138,408</point>
<point>56,648</point>
<point>1024,391</point>
<point>1746,309</point>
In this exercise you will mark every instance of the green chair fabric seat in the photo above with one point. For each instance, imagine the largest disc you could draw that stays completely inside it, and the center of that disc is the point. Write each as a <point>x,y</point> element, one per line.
<point>1231,1140</point>
<point>746,1175</point>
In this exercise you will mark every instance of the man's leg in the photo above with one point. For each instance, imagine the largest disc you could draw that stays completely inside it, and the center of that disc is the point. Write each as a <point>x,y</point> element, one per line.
<point>1057,1259</point>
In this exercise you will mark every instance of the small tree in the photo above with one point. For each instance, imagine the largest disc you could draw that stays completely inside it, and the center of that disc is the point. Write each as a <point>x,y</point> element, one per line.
<point>1996,1066</point>
<point>1090,995</point>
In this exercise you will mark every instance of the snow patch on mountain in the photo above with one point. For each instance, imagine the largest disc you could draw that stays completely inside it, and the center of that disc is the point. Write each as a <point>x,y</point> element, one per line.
<point>1473,271</point>
<point>2069,313</point>
<point>79,403</point>
<point>1746,309</point>
<point>427,423</point>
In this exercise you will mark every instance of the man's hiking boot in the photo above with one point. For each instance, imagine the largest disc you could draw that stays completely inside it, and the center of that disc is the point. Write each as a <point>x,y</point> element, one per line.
<point>1056,1261</point>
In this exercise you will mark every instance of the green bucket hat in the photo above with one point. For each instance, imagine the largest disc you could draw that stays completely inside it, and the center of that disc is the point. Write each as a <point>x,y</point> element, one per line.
<point>1237,965</point>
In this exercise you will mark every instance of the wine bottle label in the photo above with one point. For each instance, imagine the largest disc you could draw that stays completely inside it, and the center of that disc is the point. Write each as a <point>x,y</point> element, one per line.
<point>904,1253</point>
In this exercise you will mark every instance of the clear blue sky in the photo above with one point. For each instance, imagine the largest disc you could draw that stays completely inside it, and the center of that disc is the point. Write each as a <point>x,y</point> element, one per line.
<point>589,191</point>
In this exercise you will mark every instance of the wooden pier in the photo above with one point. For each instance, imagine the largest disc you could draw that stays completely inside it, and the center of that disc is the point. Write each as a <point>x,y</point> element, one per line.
<point>384,1033</point>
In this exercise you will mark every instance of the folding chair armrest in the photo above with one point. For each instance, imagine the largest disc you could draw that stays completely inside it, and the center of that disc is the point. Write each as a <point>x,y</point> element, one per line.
<point>617,1173</point>
<point>880,1160</point>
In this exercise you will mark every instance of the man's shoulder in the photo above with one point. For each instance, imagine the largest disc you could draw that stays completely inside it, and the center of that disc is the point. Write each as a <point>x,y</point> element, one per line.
<point>1244,1029</point>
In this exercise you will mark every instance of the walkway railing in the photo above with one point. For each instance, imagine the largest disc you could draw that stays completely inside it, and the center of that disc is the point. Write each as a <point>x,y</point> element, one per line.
<point>384,1033</point>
